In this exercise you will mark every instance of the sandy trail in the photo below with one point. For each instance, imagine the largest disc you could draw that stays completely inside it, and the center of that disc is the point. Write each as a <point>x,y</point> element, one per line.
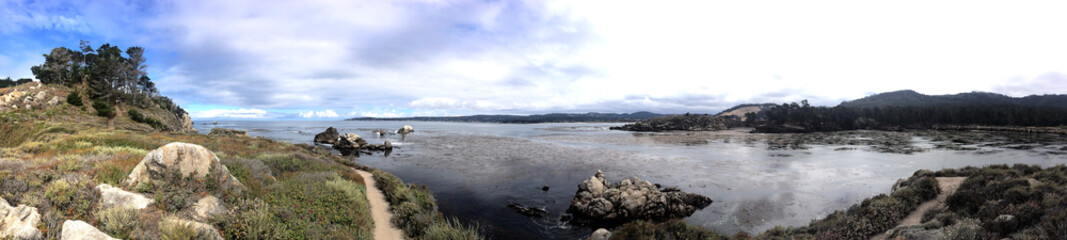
<point>379,210</point>
<point>948,186</point>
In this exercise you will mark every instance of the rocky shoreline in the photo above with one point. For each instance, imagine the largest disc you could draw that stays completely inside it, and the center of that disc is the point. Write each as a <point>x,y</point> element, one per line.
<point>678,122</point>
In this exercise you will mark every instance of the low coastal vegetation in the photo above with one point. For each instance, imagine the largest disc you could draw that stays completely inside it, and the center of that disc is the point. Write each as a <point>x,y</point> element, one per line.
<point>994,202</point>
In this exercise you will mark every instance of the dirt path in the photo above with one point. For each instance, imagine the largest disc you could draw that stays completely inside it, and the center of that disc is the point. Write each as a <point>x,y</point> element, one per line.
<point>948,186</point>
<point>379,210</point>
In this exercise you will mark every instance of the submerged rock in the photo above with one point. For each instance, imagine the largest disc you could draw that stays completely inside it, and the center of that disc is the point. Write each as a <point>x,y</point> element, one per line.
<point>79,230</point>
<point>19,222</point>
<point>528,211</point>
<point>330,136</point>
<point>191,161</point>
<point>598,202</point>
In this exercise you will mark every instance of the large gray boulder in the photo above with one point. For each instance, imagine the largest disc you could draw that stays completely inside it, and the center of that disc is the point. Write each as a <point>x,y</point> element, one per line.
<point>19,222</point>
<point>330,136</point>
<point>79,230</point>
<point>191,161</point>
<point>598,202</point>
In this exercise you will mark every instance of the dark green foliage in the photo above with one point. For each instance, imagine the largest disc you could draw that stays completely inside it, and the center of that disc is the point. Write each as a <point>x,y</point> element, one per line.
<point>103,109</point>
<point>669,230</point>
<point>74,99</point>
<point>137,116</point>
<point>109,75</point>
<point>794,117</point>
<point>7,82</point>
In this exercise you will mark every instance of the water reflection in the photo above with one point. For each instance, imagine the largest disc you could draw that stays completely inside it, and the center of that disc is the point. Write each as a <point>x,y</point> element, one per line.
<point>757,181</point>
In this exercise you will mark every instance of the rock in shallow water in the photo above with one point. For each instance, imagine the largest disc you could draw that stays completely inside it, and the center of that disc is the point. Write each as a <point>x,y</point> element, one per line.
<point>600,203</point>
<point>330,136</point>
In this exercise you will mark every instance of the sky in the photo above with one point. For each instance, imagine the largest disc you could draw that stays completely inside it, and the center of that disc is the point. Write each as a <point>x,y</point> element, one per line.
<point>278,59</point>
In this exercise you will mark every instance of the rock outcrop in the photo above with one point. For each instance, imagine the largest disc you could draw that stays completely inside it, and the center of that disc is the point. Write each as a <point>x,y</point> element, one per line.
<point>228,132</point>
<point>599,203</point>
<point>19,222</point>
<point>676,122</point>
<point>405,130</point>
<point>352,144</point>
<point>186,123</point>
<point>330,136</point>
<point>79,230</point>
<point>206,207</point>
<point>350,141</point>
<point>116,197</point>
<point>600,234</point>
<point>188,160</point>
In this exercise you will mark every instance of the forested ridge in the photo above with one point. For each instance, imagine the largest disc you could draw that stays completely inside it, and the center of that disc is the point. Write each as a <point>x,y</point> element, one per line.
<point>910,110</point>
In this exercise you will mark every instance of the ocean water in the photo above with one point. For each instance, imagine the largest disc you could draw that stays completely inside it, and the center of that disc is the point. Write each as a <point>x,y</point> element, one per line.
<point>757,181</point>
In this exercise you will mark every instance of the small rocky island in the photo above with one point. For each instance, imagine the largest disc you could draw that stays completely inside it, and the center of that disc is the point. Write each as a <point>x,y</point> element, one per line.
<point>600,203</point>
<point>350,143</point>
<point>677,122</point>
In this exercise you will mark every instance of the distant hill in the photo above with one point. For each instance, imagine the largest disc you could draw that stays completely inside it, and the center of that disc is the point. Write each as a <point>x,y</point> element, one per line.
<point>539,118</point>
<point>909,98</point>
<point>739,111</point>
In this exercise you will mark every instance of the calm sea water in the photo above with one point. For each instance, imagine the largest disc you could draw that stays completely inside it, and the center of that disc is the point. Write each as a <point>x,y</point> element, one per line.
<point>475,169</point>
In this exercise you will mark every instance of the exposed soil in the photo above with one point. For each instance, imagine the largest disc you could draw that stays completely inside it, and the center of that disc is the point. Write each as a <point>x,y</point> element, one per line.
<point>379,210</point>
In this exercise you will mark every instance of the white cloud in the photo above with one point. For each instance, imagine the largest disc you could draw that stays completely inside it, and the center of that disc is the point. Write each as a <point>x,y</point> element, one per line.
<point>230,113</point>
<point>544,56</point>
<point>328,113</point>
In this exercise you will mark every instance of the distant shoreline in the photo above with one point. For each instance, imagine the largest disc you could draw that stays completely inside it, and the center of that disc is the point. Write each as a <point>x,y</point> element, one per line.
<point>530,119</point>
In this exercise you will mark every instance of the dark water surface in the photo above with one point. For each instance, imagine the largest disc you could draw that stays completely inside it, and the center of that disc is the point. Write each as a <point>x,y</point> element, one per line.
<point>757,181</point>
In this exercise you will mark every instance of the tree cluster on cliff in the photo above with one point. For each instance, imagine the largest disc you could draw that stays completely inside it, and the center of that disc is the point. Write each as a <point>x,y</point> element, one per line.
<point>7,82</point>
<point>802,117</point>
<point>107,75</point>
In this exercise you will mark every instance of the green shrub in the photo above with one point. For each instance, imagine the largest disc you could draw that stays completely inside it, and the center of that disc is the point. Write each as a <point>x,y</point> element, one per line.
<point>671,229</point>
<point>137,116</point>
<point>103,109</point>
<point>450,230</point>
<point>118,222</point>
<point>74,99</point>
<point>172,228</point>
<point>250,219</point>
<point>60,193</point>
<point>320,205</point>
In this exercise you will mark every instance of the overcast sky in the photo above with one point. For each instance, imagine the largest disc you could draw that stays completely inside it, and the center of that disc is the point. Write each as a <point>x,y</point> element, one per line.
<point>336,59</point>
